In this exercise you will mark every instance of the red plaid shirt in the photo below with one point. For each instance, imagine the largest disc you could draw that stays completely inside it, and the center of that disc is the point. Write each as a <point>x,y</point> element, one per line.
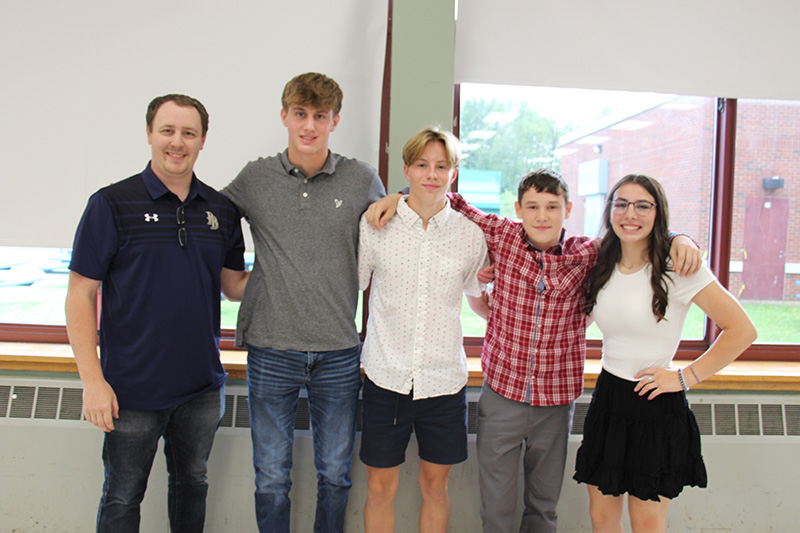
<point>535,341</point>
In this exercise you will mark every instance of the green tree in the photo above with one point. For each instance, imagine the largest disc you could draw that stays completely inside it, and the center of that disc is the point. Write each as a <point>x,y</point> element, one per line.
<point>509,137</point>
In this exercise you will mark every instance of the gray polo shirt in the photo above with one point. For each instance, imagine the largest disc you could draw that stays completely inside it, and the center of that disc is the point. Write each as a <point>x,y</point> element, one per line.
<point>302,293</point>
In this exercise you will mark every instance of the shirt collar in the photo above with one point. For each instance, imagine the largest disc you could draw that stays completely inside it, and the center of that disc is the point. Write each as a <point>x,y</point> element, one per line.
<point>157,189</point>
<point>410,217</point>
<point>328,168</point>
<point>556,249</point>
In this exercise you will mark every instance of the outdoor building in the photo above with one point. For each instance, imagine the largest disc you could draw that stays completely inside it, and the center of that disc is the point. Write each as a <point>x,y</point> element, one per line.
<point>673,142</point>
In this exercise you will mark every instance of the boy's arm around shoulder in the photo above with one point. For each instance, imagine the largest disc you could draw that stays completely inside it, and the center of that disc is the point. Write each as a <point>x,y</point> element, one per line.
<point>686,256</point>
<point>381,211</point>
<point>492,225</point>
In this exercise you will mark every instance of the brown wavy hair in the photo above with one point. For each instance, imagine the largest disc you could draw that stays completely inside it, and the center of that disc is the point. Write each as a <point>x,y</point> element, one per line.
<point>658,253</point>
<point>315,90</point>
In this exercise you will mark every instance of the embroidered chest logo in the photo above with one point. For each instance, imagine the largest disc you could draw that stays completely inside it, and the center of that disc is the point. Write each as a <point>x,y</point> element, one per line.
<point>212,221</point>
<point>151,218</point>
<point>338,203</point>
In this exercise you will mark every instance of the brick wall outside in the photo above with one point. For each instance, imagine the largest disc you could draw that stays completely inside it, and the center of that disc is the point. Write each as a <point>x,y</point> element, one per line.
<point>675,146</point>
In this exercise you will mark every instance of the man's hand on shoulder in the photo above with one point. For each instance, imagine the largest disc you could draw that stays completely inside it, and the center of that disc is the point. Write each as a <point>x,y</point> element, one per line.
<point>380,212</point>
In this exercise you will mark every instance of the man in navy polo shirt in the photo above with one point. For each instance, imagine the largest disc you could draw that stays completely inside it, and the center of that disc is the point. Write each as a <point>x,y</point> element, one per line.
<point>162,245</point>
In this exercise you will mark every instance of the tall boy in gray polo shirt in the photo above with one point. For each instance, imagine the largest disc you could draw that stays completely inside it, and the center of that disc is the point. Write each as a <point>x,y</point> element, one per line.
<point>297,317</point>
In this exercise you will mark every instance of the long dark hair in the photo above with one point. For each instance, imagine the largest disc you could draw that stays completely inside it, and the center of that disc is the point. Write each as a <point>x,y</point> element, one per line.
<point>611,252</point>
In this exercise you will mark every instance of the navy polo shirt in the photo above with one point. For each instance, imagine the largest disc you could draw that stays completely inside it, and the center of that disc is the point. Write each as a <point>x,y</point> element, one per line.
<point>160,318</point>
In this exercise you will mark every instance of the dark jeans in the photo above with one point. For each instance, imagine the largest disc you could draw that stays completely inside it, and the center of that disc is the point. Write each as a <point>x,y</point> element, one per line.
<point>188,430</point>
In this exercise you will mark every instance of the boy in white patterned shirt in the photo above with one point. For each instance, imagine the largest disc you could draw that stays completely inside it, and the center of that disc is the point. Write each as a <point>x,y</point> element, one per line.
<point>416,369</point>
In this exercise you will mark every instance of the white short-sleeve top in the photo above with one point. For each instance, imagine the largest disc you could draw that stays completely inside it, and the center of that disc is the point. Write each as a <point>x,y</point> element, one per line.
<point>632,338</point>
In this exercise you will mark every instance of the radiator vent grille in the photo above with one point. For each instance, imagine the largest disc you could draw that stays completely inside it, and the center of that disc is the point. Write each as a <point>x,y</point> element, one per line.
<point>71,404</point>
<point>22,402</point>
<point>772,419</point>
<point>242,412</point>
<point>5,396</point>
<point>702,412</point>
<point>47,403</point>
<point>721,418</point>
<point>724,419</point>
<point>578,417</point>
<point>793,420</point>
<point>227,416</point>
<point>748,419</point>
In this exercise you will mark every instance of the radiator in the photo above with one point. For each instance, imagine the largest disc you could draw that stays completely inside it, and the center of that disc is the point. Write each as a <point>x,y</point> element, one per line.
<point>717,414</point>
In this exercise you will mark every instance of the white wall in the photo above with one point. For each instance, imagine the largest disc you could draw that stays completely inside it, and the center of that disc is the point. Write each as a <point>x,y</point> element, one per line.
<point>727,48</point>
<point>77,76</point>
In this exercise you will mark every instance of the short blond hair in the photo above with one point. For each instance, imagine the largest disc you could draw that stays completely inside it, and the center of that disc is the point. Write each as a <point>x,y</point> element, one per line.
<point>416,144</point>
<point>314,90</point>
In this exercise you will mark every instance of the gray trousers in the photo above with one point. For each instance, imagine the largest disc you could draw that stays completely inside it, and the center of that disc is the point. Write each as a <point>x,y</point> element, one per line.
<point>507,429</point>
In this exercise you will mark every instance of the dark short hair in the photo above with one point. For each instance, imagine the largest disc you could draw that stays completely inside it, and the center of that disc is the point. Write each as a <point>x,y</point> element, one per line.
<point>315,90</point>
<point>543,180</point>
<point>181,100</point>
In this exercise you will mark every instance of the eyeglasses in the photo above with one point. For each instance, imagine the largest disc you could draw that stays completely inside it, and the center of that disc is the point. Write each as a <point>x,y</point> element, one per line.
<point>642,207</point>
<point>180,216</point>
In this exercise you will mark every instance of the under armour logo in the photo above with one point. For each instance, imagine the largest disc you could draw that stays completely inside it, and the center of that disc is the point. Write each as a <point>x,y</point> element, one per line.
<point>338,203</point>
<point>212,221</point>
<point>151,218</point>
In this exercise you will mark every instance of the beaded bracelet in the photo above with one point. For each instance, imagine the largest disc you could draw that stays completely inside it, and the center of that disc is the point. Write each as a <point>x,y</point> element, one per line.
<point>683,381</point>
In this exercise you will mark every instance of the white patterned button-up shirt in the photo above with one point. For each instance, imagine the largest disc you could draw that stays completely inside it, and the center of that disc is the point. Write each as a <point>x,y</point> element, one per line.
<point>414,340</point>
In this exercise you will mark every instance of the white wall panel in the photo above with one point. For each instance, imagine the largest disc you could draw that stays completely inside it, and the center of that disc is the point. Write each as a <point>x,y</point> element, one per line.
<point>729,48</point>
<point>77,76</point>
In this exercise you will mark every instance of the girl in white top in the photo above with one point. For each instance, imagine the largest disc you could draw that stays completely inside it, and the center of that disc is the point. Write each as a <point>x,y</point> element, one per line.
<point>640,438</point>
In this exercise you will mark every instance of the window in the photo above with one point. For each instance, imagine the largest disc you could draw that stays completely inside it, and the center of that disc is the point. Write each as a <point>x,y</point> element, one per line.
<point>596,137</point>
<point>593,138</point>
<point>33,284</point>
<point>765,232</point>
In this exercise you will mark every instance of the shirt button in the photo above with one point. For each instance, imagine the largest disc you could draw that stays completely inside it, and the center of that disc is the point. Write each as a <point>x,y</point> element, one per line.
<point>305,181</point>
<point>295,170</point>
<point>305,195</point>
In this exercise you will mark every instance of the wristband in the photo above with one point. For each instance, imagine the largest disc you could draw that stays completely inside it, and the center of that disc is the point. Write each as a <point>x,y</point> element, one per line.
<point>683,381</point>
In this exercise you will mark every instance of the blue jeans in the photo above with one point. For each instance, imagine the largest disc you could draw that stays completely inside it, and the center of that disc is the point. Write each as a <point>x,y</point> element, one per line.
<point>188,430</point>
<point>332,381</point>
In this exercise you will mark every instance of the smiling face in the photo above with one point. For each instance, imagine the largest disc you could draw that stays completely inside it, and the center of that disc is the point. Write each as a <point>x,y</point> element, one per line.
<point>543,215</point>
<point>175,141</point>
<point>309,130</point>
<point>430,175</point>
<point>630,226</point>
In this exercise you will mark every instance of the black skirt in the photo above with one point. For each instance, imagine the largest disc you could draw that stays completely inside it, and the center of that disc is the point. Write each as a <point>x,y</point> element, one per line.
<point>646,448</point>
